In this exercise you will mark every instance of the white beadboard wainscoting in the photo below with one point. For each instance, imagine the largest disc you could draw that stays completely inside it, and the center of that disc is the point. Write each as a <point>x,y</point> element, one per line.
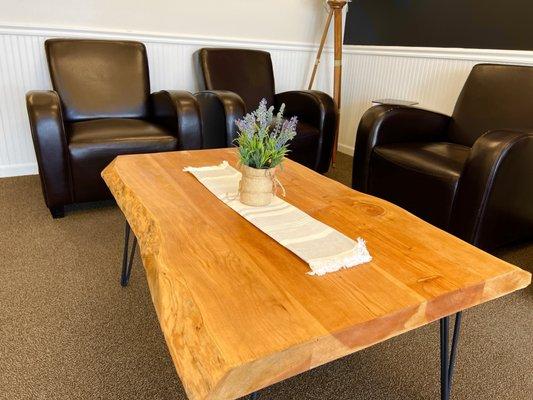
<point>432,77</point>
<point>23,67</point>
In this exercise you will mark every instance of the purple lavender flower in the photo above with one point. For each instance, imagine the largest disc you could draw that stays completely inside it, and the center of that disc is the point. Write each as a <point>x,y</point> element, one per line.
<point>264,115</point>
<point>278,121</point>
<point>263,137</point>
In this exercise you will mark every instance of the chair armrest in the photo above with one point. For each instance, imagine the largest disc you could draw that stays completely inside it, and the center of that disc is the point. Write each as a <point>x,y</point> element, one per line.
<point>51,149</point>
<point>178,111</point>
<point>318,109</point>
<point>220,109</point>
<point>392,124</point>
<point>494,201</point>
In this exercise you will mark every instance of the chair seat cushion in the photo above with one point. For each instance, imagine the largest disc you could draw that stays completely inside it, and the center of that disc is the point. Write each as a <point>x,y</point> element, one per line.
<point>420,177</point>
<point>304,146</point>
<point>94,144</point>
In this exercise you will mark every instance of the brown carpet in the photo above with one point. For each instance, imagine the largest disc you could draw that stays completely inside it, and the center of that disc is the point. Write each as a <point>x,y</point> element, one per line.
<point>69,331</point>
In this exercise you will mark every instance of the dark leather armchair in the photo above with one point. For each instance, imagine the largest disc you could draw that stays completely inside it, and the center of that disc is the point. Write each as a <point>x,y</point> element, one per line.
<point>234,82</point>
<point>470,174</point>
<point>101,107</point>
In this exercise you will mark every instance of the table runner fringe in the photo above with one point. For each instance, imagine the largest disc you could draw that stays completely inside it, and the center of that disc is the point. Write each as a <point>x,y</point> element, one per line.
<point>358,255</point>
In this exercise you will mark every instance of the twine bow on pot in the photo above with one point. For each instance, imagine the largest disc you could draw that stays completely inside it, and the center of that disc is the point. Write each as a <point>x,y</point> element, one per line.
<point>276,183</point>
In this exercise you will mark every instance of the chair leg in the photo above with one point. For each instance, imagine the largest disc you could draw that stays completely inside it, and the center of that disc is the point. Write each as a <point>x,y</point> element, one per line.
<point>57,212</point>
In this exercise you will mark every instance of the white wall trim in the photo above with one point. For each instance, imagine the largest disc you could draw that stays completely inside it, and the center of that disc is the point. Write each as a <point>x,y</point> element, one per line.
<point>480,55</point>
<point>18,170</point>
<point>155,37</point>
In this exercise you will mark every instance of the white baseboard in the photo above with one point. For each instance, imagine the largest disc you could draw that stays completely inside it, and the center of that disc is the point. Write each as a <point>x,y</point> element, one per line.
<point>345,149</point>
<point>18,170</point>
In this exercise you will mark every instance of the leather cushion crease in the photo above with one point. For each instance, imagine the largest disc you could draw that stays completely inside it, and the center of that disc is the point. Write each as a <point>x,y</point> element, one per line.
<point>94,144</point>
<point>421,176</point>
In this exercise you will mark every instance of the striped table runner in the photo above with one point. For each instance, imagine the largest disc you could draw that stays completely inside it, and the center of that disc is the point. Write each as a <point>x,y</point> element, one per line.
<point>322,247</point>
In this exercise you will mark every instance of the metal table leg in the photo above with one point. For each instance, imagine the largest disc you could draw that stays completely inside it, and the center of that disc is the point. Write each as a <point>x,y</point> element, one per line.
<point>447,357</point>
<point>253,396</point>
<point>127,260</point>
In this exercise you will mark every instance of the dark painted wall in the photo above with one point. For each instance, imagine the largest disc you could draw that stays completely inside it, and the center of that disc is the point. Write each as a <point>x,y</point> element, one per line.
<point>482,24</point>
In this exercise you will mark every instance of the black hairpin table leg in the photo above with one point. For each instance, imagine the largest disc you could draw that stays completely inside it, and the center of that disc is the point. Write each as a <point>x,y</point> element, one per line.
<point>127,259</point>
<point>448,357</point>
<point>253,396</point>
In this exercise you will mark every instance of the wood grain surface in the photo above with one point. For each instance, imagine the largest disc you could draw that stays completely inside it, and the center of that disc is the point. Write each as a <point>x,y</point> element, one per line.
<point>238,310</point>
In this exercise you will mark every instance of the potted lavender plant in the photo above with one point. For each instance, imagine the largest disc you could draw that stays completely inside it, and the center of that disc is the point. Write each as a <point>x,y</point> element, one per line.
<point>263,141</point>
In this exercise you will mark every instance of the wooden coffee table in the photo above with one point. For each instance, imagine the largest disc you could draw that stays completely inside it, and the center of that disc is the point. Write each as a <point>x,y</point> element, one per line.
<point>239,312</point>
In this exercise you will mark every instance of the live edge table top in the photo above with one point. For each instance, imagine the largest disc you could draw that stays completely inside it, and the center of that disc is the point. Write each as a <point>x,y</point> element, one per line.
<point>239,311</point>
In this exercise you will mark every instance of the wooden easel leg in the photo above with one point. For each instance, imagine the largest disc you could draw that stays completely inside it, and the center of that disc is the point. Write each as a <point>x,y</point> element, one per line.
<point>337,7</point>
<point>320,49</point>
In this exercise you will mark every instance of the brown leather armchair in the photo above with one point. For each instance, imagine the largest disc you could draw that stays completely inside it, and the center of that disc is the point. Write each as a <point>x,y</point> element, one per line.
<point>470,174</point>
<point>234,82</point>
<point>101,107</point>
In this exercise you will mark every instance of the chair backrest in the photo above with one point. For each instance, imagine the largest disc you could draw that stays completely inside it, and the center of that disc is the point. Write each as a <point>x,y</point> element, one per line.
<point>248,73</point>
<point>493,97</point>
<point>99,78</point>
